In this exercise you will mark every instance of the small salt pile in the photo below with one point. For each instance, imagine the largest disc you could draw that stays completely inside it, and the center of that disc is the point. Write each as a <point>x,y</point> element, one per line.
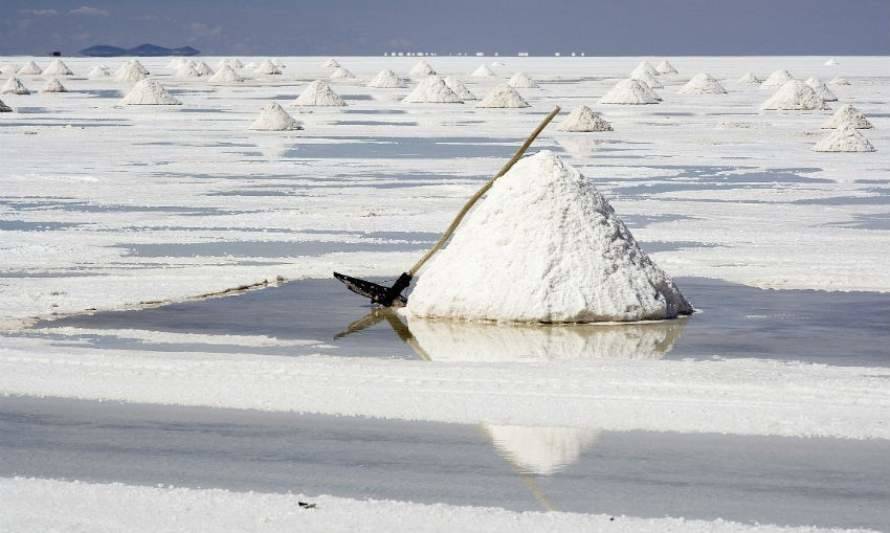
<point>702,84</point>
<point>187,71</point>
<point>847,115</point>
<point>30,69</point>
<point>844,139</point>
<point>665,67</point>
<point>233,63</point>
<point>749,78</point>
<point>273,117</point>
<point>795,95</point>
<point>226,74</point>
<point>341,73</point>
<point>839,80</point>
<point>175,63</point>
<point>319,94</point>
<point>629,92</point>
<point>330,63</point>
<point>521,80</point>
<point>203,69</point>
<point>54,86</point>
<point>584,119</point>
<point>8,69</point>
<point>236,63</point>
<point>251,66</point>
<point>57,67</point>
<point>99,72</point>
<point>459,89</point>
<point>544,246</point>
<point>646,78</point>
<point>267,68</point>
<point>504,97</point>
<point>432,90</point>
<point>644,68</point>
<point>386,79</point>
<point>484,71</point>
<point>4,108</point>
<point>138,66</point>
<point>821,89</point>
<point>149,92</point>
<point>777,79</point>
<point>14,86</point>
<point>421,69</point>
<point>129,72</point>
<point>831,62</point>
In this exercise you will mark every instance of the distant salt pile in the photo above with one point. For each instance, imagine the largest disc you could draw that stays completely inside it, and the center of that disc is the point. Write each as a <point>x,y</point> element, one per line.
<point>4,108</point>
<point>629,92</point>
<point>187,71</point>
<point>484,71</point>
<point>644,68</point>
<point>386,79</point>
<point>14,86</point>
<point>203,69</point>
<point>777,79</point>
<point>844,139</point>
<point>8,69</point>
<point>795,95</point>
<point>749,78</point>
<point>521,80</point>
<point>149,92</point>
<point>136,64</point>
<point>838,80</point>
<point>459,89</point>
<point>665,67</point>
<point>99,72</point>
<point>821,89</point>
<point>647,78</point>
<point>236,64</point>
<point>432,90</point>
<point>267,68</point>
<point>226,74</point>
<point>273,117</point>
<point>251,66</point>
<point>847,115</point>
<point>584,119</point>
<point>544,246</point>
<point>30,69</point>
<point>54,86</point>
<point>330,63</point>
<point>421,69</point>
<point>504,97</point>
<point>702,84</point>
<point>341,73</point>
<point>831,62</point>
<point>57,67</point>
<point>129,72</point>
<point>176,62</point>
<point>319,94</point>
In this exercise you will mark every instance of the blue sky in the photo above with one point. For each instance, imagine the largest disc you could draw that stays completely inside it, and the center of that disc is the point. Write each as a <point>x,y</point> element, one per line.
<point>350,27</point>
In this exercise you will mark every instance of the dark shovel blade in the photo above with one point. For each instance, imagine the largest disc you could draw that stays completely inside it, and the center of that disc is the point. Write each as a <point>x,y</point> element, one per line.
<point>378,294</point>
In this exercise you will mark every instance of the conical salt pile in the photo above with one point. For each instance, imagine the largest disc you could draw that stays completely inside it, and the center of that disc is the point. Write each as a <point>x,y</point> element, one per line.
<point>236,64</point>
<point>459,89</point>
<point>777,79</point>
<point>267,68</point>
<point>647,78</point>
<point>233,63</point>
<point>129,72</point>
<point>521,80</point>
<point>544,246</point>
<point>483,72</point>
<point>14,86</point>
<point>138,66</point>
<point>644,68</point>
<point>175,63</point>
<point>273,117</point>
<point>629,92</point>
<point>203,69</point>
<point>330,63</point>
<point>251,66</point>
<point>821,89</point>
<point>4,108</point>
<point>226,74</point>
<point>187,71</point>
<point>8,69</point>
<point>665,67</point>
<point>831,62</point>
<point>30,69</point>
<point>57,67</point>
<point>847,115</point>
<point>749,78</point>
<point>54,86</point>
<point>421,69</point>
<point>319,94</point>
<point>838,80</point>
<point>149,92</point>
<point>99,72</point>
<point>432,90</point>
<point>795,95</point>
<point>503,96</point>
<point>844,139</point>
<point>386,79</point>
<point>341,73</point>
<point>582,118</point>
<point>702,84</point>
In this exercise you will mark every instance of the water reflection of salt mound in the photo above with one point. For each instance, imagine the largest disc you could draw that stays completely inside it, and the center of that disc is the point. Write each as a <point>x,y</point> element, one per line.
<point>542,450</point>
<point>451,340</point>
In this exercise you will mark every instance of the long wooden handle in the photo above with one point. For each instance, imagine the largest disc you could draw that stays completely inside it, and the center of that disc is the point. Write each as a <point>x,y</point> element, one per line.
<point>472,201</point>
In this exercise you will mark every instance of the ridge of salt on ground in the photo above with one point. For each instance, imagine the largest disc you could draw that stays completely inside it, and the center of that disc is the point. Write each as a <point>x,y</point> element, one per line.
<point>330,63</point>
<point>546,247</point>
<point>702,83</point>
<point>130,72</point>
<point>648,79</point>
<point>644,67</point>
<point>821,89</point>
<point>584,119</point>
<point>483,71</point>
<point>387,79</point>
<point>267,68</point>
<point>57,67</point>
<point>319,94</point>
<point>844,139</point>
<point>273,117</point>
<point>421,69</point>
<point>845,115</point>
<point>53,85</point>
<point>521,80</point>
<point>629,92</point>
<point>149,92</point>
<point>187,71</point>
<point>794,95</point>
<point>749,78</point>
<point>504,97</point>
<point>341,73</point>
<point>30,69</point>
<point>777,79</point>
<point>226,74</point>
<point>99,72</point>
<point>432,90</point>
<point>665,67</point>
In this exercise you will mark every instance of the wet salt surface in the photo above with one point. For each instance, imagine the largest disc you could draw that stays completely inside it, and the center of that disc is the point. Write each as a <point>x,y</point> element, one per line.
<point>823,482</point>
<point>838,328</point>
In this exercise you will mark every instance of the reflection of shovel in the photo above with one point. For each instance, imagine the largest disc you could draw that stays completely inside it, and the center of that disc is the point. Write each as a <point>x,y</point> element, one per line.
<point>392,296</point>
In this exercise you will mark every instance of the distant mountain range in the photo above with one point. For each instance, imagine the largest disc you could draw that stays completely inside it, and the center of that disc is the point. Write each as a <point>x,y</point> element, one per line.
<point>143,50</point>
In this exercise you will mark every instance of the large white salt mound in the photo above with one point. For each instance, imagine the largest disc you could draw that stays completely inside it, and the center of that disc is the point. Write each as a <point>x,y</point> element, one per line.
<point>582,118</point>
<point>665,67</point>
<point>702,84</point>
<point>646,78</point>
<point>57,67</point>
<point>203,69</point>
<point>629,92</point>
<point>777,79</point>
<point>484,71</point>
<point>749,78</point>
<point>54,86</point>
<point>129,72</point>
<point>503,96</point>
<point>30,69</point>
<point>521,80</point>
<point>847,115</point>
<point>149,92</point>
<point>644,68</point>
<point>330,63</point>
<point>4,108</point>
<point>14,86</point>
<point>421,69</point>
<point>386,79</point>
<point>838,80</point>
<point>319,94</point>
<point>831,62</point>
<point>844,139</point>
<point>432,90</point>
<point>274,118</point>
<point>459,89</point>
<point>544,246</point>
<point>341,73</point>
<point>795,95</point>
<point>226,74</point>
<point>99,72</point>
<point>821,89</point>
<point>187,71</point>
<point>267,68</point>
